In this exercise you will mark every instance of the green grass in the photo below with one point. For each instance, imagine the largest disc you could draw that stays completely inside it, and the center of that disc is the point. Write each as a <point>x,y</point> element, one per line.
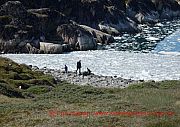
<point>13,75</point>
<point>64,97</point>
<point>38,89</point>
<point>158,85</point>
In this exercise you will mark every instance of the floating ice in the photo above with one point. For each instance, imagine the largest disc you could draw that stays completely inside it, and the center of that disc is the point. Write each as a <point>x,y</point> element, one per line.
<point>118,38</point>
<point>145,66</point>
<point>159,24</point>
<point>170,53</point>
<point>152,39</point>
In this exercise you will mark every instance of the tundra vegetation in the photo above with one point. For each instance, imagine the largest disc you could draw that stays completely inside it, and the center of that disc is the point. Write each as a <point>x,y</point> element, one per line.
<point>40,94</point>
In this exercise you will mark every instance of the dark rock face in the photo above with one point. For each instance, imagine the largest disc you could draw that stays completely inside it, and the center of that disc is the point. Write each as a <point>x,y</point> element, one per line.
<point>94,12</point>
<point>142,11</point>
<point>23,30</point>
<point>19,26</point>
<point>47,21</point>
<point>36,3</point>
<point>152,11</point>
<point>74,24</point>
<point>168,9</point>
<point>13,28</point>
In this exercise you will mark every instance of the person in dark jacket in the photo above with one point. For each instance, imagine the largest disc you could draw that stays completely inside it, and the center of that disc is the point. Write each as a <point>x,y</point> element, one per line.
<point>66,69</point>
<point>78,67</point>
<point>86,73</point>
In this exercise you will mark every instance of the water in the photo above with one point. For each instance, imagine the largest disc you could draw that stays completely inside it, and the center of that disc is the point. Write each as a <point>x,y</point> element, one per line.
<point>147,40</point>
<point>110,63</point>
<point>153,54</point>
<point>170,44</point>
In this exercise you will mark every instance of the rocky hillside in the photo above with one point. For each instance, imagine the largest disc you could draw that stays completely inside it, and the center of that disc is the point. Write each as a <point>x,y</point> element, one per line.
<point>57,26</point>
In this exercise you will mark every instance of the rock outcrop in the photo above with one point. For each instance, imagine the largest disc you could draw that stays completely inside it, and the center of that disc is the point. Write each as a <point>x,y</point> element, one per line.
<point>15,29</point>
<point>152,11</point>
<point>75,24</point>
<point>94,12</point>
<point>88,12</point>
<point>168,9</point>
<point>77,37</point>
<point>20,26</point>
<point>142,11</point>
<point>49,48</point>
<point>100,36</point>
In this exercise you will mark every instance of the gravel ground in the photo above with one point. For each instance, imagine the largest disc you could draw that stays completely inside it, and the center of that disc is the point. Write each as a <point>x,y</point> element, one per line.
<point>92,79</point>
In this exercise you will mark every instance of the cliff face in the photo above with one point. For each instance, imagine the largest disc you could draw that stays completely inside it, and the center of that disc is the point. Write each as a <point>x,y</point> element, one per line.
<point>59,4</point>
<point>20,26</point>
<point>26,23</point>
<point>152,11</point>
<point>36,3</point>
<point>92,12</point>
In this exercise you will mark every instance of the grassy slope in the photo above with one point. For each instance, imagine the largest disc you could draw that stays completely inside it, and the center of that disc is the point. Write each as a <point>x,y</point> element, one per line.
<point>162,96</point>
<point>13,75</point>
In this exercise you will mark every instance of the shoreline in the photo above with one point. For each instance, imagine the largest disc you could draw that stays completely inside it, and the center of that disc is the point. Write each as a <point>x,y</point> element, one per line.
<point>92,79</point>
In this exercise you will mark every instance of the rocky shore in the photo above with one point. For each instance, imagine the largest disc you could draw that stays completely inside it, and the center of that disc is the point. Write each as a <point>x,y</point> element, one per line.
<point>92,79</point>
<point>61,26</point>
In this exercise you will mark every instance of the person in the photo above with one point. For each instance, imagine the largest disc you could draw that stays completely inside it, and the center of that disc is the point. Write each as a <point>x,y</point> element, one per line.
<point>86,73</point>
<point>78,67</point>
<point>66,69</point>
<point>89,71</point>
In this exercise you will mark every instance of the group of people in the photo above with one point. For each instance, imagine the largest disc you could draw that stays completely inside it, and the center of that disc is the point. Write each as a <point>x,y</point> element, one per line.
<point>78,69</point>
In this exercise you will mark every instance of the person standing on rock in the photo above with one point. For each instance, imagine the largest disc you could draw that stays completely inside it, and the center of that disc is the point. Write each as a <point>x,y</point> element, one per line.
<point>78,67</point>
<point>66,69</point>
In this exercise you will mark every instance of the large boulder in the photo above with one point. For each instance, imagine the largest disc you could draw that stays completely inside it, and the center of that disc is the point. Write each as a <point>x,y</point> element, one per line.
<point>100,36</point>
<point>77,37</point>
<point>50,48</point>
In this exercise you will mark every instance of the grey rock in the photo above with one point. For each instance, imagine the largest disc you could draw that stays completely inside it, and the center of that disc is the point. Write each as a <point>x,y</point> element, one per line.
<point>77,37</point>
<point>50,48</point>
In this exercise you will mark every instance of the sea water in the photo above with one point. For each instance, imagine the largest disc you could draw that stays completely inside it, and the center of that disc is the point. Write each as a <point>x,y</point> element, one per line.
<point>153,54</point>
